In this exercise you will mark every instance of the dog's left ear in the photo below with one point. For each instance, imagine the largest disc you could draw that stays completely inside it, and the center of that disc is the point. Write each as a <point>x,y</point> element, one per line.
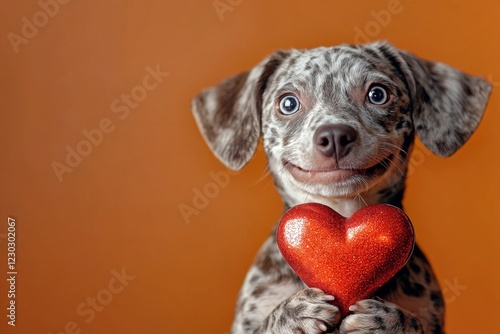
<point>229,114</point>
<point>447,104</point>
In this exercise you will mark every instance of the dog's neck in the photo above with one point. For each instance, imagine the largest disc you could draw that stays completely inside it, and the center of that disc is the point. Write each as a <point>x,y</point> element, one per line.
<point>387,192</point>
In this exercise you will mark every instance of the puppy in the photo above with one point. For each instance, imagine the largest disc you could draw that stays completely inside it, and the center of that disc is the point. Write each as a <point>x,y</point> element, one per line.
<point>338,125</point>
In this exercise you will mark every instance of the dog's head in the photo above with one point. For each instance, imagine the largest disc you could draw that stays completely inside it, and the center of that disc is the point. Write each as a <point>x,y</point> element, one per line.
<point>337,121</point>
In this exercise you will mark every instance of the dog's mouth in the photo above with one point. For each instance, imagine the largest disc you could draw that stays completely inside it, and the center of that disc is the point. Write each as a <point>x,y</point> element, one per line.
<point>337,174</point>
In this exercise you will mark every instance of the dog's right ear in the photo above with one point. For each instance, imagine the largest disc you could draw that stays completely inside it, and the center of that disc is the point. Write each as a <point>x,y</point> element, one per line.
<point>229,114</point>
<point>450,104</point>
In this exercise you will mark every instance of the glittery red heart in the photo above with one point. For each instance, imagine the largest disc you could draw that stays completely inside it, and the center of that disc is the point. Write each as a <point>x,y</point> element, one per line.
<point>349,258</point>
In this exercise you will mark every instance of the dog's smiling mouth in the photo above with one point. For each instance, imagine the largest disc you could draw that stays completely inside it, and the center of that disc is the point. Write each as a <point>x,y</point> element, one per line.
<point>335,174</point>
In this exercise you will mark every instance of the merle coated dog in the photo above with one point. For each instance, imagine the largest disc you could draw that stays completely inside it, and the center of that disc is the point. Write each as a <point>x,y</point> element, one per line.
<point>338,125</point>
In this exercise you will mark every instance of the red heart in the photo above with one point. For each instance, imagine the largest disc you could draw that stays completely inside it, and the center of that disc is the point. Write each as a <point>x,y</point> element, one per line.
<point>349,258</point>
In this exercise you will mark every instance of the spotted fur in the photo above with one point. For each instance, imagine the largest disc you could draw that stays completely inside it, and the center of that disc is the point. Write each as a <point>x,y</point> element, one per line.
<point>440,104</point>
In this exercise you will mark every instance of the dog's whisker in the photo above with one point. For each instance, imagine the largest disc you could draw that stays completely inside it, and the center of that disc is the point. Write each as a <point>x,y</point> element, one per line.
<point>385,162</point>
<point>267,170</point>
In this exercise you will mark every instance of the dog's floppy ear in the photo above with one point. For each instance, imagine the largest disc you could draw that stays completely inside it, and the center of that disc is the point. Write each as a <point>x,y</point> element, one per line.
<point>447,104</point>
<point>229,114</point>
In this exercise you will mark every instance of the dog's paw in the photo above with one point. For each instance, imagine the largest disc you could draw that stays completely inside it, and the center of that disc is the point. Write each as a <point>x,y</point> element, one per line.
<point>379,317</point>
<point>308,312</point>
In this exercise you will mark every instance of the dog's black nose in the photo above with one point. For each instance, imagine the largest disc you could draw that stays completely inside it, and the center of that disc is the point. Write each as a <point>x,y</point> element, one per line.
<point>334,140</point>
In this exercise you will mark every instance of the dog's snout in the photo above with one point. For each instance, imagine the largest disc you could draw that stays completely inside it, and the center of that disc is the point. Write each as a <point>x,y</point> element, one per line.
<point>334,140</point>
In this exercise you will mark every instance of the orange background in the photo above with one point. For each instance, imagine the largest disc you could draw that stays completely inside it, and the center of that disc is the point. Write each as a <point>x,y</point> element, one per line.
<point>119,208</point>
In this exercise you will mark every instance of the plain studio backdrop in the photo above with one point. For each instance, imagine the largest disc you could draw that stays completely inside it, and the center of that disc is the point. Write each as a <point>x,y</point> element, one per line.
<point>126,222</point>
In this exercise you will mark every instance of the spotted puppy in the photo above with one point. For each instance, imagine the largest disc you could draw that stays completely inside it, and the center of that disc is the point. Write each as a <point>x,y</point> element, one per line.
<point>338,125</point>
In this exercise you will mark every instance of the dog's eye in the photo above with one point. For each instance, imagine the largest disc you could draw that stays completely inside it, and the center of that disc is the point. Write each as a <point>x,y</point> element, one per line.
<point>289,104</point>
<point>378,95</point>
